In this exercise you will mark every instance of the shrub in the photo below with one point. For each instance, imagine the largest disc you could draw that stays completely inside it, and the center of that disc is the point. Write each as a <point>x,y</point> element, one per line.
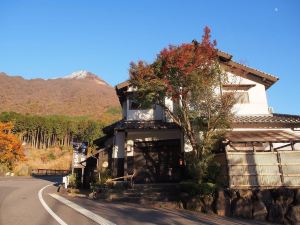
<point>51,156</point>
<point>207,189</point>
<point>213,172</point>
<point>72,181</point>
<point>190,187</point>
<point>3,169</point>
<point>22,169</point>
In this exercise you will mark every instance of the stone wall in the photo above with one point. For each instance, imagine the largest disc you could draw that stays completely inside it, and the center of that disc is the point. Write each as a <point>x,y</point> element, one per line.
<point>273,205</point>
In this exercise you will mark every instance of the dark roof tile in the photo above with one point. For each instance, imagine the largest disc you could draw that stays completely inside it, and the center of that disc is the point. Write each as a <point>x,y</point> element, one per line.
<point>272,120</point>
<point>152,125</point>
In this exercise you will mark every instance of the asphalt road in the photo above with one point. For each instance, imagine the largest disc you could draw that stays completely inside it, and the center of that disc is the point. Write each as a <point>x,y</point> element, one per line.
<point>20,205</point>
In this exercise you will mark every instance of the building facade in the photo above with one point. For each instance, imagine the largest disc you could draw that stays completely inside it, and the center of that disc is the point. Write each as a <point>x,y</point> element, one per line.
<point>146,143</point>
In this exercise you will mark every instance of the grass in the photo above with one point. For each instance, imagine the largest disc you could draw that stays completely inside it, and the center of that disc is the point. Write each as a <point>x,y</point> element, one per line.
<point>52,158</point>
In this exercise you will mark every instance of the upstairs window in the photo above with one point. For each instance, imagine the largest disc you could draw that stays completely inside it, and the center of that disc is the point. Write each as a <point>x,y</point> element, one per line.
<point>241,97</point>
<point>240,92</point>
<point>134,105</point>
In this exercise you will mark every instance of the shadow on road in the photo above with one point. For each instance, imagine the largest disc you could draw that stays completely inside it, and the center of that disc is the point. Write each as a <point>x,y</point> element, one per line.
<point>57,180</point>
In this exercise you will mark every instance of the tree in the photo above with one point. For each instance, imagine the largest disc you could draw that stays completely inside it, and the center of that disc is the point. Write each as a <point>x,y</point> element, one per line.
<point>44,132</point>
<point>190,75</point>
<point>11,150</point>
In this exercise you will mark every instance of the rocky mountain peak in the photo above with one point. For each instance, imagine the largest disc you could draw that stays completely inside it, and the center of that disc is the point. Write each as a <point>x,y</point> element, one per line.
<point>83,74</point>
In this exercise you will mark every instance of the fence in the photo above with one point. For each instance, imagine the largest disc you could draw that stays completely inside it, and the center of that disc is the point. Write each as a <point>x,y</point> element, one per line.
<point>263,169</point>
<point>49,172</point>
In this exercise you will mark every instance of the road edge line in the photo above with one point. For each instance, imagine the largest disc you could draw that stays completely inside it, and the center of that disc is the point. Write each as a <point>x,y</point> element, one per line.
<point>89,214</point>
<point>56,217</point>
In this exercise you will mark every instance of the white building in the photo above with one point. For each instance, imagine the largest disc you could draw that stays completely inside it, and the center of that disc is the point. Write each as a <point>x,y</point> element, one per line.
<point>147,144</point>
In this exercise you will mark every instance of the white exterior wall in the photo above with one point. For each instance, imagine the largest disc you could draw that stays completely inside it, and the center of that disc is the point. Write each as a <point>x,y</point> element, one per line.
<point>148,114</point>
<point>149,135</point>
<point>154,136</point>
<point>258,103</point>
<point>155,113</point>
<point>119,144</point>
<point>169,105</point>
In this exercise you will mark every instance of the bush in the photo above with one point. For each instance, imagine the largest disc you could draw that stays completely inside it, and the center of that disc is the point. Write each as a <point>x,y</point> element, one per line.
<point>207,189</point>
<point>190,187</point>
<point>3,169</point>
<point>22,169</point>
<point>193,189</point>
<point>213,172</point>
<point>51,156</point>
<point>72,181</point>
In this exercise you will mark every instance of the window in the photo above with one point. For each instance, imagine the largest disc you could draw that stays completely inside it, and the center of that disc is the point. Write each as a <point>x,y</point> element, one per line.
<point>241,97</point>
<point>134,105</point>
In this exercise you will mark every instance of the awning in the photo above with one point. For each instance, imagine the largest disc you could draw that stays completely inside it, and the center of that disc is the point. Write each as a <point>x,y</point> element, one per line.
<point>262,136</point>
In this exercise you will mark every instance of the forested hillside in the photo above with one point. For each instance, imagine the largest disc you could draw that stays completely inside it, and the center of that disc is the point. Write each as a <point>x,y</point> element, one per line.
<point>48,115</point>
<point>43,132</point>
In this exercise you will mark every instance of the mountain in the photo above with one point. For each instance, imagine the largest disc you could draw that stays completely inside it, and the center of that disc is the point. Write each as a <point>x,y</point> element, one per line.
<point>81,93</point>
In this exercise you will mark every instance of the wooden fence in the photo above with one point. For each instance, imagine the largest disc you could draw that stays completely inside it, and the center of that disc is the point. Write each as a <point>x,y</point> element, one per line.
<point>49,172</point>
<point>263,169</point>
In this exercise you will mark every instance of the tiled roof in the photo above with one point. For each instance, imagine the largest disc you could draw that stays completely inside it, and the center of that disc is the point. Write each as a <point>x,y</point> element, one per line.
<point>274,118</point>
<point>228,57</point>
<point>262,136</point>
<point>134,124</point>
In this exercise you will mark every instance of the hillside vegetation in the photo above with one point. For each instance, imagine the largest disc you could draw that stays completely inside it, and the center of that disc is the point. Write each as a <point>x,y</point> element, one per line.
<point>42,132</point>
<point>57,158</point>
<point>47,140</point>
<point>80,94</point>
<point>48,115</point>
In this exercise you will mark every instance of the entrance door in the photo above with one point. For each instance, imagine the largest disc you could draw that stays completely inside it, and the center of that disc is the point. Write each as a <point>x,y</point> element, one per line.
<point>157,161</point>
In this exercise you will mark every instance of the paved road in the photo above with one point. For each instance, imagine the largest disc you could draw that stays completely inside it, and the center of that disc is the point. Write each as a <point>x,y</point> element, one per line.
<point>20,205</point>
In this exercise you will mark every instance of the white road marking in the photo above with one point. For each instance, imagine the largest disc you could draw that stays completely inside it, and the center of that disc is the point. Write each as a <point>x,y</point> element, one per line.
<point>98,219</point>
<point>58,219</point>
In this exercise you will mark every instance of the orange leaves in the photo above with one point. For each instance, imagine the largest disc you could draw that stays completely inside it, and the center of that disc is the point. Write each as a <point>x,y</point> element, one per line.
<point>174,67</point>
<point>183,60</point>
<point>179,63</point>
<point>11,149</point>
<point>141,70</point>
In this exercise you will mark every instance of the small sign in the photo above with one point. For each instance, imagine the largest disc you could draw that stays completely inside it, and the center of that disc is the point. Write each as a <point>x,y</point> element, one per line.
<point>79,153</point>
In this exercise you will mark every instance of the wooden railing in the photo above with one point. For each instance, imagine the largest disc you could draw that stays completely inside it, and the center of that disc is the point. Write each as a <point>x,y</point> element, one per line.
<point>127,177</point>
<point>49,172</point>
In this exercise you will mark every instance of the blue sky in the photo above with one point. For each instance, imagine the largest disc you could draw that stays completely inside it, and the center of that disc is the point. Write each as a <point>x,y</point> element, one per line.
<point>52,38</point>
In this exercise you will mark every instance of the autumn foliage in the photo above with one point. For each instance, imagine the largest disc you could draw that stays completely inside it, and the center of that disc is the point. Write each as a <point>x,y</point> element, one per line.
<point>175,66</point>
<point>11,150</point>
<point>190,75</point>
